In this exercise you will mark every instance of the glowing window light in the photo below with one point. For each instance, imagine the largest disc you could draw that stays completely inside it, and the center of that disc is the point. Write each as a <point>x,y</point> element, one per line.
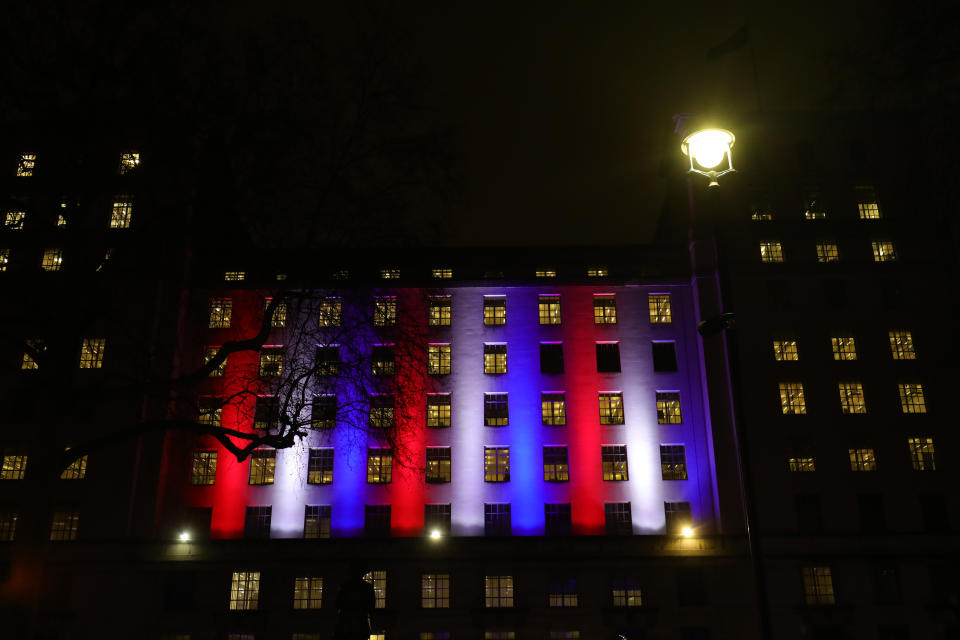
<point>52,259</point>
<point>14,220</point>
<point>122,213</point>
<point>129,160</point>
<point>28,161</point>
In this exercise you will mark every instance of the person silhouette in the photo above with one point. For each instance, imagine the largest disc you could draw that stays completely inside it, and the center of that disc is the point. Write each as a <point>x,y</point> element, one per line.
<point>355,604</point>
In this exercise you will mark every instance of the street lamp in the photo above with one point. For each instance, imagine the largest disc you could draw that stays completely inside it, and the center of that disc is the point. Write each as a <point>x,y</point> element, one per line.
<point>707,149</point>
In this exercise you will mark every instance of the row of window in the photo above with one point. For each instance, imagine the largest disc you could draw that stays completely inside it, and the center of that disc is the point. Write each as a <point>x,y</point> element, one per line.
<point>27,163</point>
<point>438,273</point>
<point>330,310</point>
<point>51,260</point>
<point>828,251</point>
<point>91,353</point>
<point>793,401</point>
<point>868,206</point>
<point>13,466</point>
<point>121,214</point>
<point>844,347</point>
<point>922,457</point>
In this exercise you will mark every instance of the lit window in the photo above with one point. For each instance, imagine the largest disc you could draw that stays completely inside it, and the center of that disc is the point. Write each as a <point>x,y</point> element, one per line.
<point>562,593</point>
<point>436,517</point>
<point>597,272</point>
<point>438,465</point>
<point>626,593</point>
<point>52,259</point>
<point>784,350</point>
<point>4,259</point>
<point>330,312</point>
<point>498,591</point>
<point>378,579</point>
<point>439,311</point>
<point>266,413</point>
<point>818,586</point>
<point>844,348</point>
<point>556,467</point>
<point>497,519</point>
<point>828,252</point>
<point>61,220</point>
<point>323,413</point>
<point>263,466</point>
<point>210,411</point>
<point>614,459</point>
<point>279,318</point>
<point>494,310</point>
<point>14,220</point>
<point>851,397</point>
<point>26,165</point>
<point>203,471</point>
<point>256,522</point>
<point>208,355</point>
<point>308,593</point>
<point>271,362</point>
<point>813,208</point>
<point>495,410</point>
<point>434,635</point>
<point>911,398</point>
<point>883,251</point>
<point>13,466</point>
<point>668,407</point>
<point>553,411</point>
<point>673,462</point>
<point>922,454</point>
<point>376,520</point>
<point>677,515</point>
<point>495,358</point>
<point>328,360</point>
<point>496,464</point>
<point>381,411</point>
<point>605,309</point>
<point>385,312</point>
<point>901,345</point>
<point>442,273</point>
<point>803,464</point>
<point>557,519</point>
<point>316,521</point>
<point>121,213</point>
<point>867,203</point>
<point>129,160</point>
<point>389,274</point>
<point>617,518</point>
<point>36,347</point>
<point>64,525</point>
<point>91,353</point>
<point>499,635</point>
<point>771,252</point>
<point>792,401</point>
<point>8,525</point>
<point>438,410</point>
<point>379,466</point>
<point>220,310</point>
<point>438,359</point>
<point>862,459</point>
<point>340,274</point>
<point>546,273</point>
<point>77,469</point>
<point>660,308</point>
<point>611,408</point>
<point>549,309</point>
<point>320,466</point>
<point>245,591</point>
<point>383,360</point>
<point>435,590</point>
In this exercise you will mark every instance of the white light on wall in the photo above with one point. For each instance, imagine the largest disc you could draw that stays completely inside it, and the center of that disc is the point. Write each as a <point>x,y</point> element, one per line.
<point>184,536</point>
<point>710,152</point>
<point>435,534</point>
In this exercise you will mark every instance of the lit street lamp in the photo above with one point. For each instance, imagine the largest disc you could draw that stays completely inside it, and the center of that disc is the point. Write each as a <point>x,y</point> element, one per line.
<point>707,149</point>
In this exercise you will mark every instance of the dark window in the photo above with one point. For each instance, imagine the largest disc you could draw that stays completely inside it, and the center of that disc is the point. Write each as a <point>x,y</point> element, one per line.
<point>551,357</point>
<point>617,518</point>
<point>198,522</point>
<point>677,516</point>
<point>809,514</point>
<point>778,295</point>
<point>886,585</point>
<point>324,414</point>
<point>691,591</point>
<point>495,410</point>
<point>266,414</point>
<point>257,522</point>
<point>383,360</point>
<point>557,519</point>
<point>892,293</point>
<point>608,357</point>
<point>834,293</point>
<point>944,587</point>
<point>437,517</point>
<point>376,520</point>
<point>933,510</point>
<point>664,356</point>
<point>496,519</point>
<point>179,591</point>
<point>870,508</point>
<point>328,360</point>
<point>893,632</point>
<point>694,633</point>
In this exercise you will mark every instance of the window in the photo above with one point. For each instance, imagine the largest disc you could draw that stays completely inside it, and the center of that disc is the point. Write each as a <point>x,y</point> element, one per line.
<point>677,516</point>
<point>828,252</point>
<point>263,464</point>
<point>203,471</point>
<point>308,593</point>
<point>14,466</point>
<point>546,273</point>
<point>871,512</point>
<point>436,517</point>
<point>691,592</point>
<point>245,591</point>
<point>851,397</point>
<point>271,362</point>
<point>52,259</point>
<point>320,466</point>
<point>316,521</point>
<point>389,274</point>
<point>771,252</point>
<point>26,165</point>
<point>562,593</point>
<point>660,308</point>
<point>792,401</point>
<point>381,411</point>
<point>385,312</point>
<point>673,462</point>
<point>495,410</point>
<point>911,398</point>
<point>376,520</point>
<point>279,318</point>
<point>611,408</point>
<point>209,354</point>
<point>210,411</point>
<point>551,357</point>
<point>801,463</point>
<point>883,251</point>
<point>328,360</point>
<point>439,311</point>
<point>438,359</point>
<point>618,520</point>
<point>626,593</point>
<point>867,203</point>
<point>598,272</point>
<point>435,590</point>
<point>818,585</point>
<point>549,309</point>
<point>438,410</point>
<point>494,310</point>
<point>499,635</point>
<point>614,458</point>
<point>608,357</point>
<point>8,525</point>
<point>553,410</point>
<point>922,454</point>
<point>495,358</point>
<point>63,526</point>
<point>813,208</point>
<point>121,213</point>
<point>220,312</point>
<point>862,459</point>
<point>379,466</point>
<point>379,581</point>
<point>604,309</point>
<point>129,160</point>
<point>498,591</point>
<point>330,312</point>
<point>809,513</point>
<point>91,353</point>
<point>256,523</point>
<point>442,273</point>
<point>77,469</point>
<point>496,464</point>
<point>844,348</point>
<point>668,407</point>
<point>901,345</point>
<point>36,347</point>
<point>933,512</point>
<point>496,519</point>
<point>266,413</point>
<point>4,259</point>
<point>323,412</point>
<point>886,585</point>
<point>664,356</point>
<point>556,468</point>
<point>14,220</point>
<point>438,464</point>
<point>557,519</point>
<point>383,360</point>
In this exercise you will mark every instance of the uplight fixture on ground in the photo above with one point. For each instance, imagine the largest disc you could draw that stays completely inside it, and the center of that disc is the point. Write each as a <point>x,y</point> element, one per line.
<point>184,536</point>
<point>435,534</point>
<point>710,152</point>
<point>687,532</point>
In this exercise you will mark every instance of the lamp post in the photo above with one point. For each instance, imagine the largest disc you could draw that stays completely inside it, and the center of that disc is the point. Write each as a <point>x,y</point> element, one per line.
<point>707,149</point>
